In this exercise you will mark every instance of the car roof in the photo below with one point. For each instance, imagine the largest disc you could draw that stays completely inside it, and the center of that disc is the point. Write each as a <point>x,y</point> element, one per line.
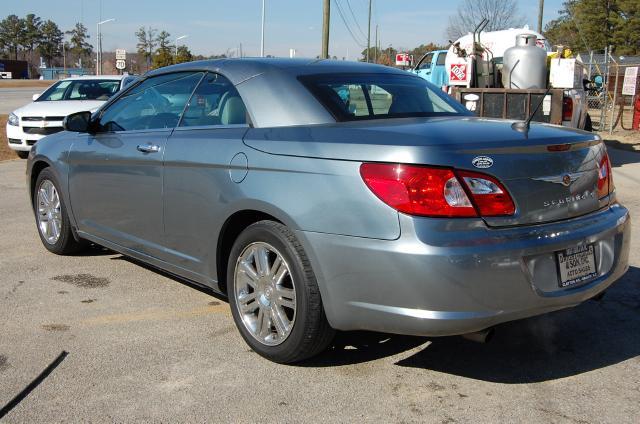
<point>94,77</point>
<point>240,69</point>
<point>270,87</point>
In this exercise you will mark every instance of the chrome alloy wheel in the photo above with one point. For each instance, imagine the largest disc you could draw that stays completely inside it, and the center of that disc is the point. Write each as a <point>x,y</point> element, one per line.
<point>49,214</point>
<point>265,294</point>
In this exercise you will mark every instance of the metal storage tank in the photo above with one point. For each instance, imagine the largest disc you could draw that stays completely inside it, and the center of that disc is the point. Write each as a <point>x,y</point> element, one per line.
<point>525,64</point>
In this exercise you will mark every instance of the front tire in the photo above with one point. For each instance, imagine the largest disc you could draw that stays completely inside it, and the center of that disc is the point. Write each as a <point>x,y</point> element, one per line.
<point>22,154</point>
<point>52,219</point>
<point>274,295</point>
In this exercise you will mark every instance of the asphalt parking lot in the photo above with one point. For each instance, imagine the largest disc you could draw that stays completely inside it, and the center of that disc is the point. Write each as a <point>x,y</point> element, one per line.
<point>143,346</point>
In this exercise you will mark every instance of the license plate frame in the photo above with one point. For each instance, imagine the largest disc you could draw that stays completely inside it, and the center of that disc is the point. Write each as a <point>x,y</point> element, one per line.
<point>576,265</point>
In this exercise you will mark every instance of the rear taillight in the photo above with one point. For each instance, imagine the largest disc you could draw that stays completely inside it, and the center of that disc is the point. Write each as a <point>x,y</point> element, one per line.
<point>567,108</point>
<point>437,192</point>
<point>605,180</point>
<point>490,197</point>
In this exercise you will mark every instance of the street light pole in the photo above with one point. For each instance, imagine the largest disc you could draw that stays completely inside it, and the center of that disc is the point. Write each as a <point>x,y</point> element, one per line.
<point>178,39</point>
<point>99,49</point>
<point>262,37</point>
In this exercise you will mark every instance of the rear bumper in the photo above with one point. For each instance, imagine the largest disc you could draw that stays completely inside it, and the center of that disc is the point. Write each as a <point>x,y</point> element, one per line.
<point>444,277</point>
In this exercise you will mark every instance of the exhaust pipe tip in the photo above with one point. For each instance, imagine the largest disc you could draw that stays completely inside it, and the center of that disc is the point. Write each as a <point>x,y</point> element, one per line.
<point>482,336</point>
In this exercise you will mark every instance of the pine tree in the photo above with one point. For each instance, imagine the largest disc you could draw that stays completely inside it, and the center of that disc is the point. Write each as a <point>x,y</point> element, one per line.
<point>12,34</point>
<point>50,41</point>
<point>79,46</point>
<point>163,56</point>
<point>183,55</point>
<point>625,34</point>
<point>595,24</point>
<point>32,34</point>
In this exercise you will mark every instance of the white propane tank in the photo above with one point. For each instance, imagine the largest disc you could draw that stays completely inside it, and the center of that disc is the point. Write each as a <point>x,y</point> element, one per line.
<point>525,64</point>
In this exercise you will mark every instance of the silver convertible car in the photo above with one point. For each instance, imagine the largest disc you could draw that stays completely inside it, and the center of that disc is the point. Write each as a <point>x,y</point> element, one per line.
<point>321,195</point>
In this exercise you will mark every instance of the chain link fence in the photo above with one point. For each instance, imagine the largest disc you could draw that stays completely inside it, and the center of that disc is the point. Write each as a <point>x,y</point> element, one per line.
<point>609,106</point>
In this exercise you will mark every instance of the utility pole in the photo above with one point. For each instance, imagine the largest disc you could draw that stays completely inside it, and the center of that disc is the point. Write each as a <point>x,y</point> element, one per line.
<point>262,38</point>
<point>369,33</point>
<point>375,60</point>
<point>540,14</point>
<point>64,58</point>
<point>326,15</point>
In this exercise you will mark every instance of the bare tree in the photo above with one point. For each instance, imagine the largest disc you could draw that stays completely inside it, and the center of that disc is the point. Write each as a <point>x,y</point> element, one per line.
<point>146,43</point>
<point>502,14</point>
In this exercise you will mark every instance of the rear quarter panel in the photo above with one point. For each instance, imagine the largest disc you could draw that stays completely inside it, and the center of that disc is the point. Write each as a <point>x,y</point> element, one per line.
<point>320,195</point>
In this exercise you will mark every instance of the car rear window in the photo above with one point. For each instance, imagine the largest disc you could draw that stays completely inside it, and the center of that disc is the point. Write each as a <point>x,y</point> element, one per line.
<point>352,97</point>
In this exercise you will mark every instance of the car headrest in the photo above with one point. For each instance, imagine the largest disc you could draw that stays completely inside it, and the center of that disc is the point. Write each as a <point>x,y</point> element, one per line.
<point>233,111</point>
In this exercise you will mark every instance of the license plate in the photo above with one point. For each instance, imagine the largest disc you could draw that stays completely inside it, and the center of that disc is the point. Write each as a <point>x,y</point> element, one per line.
<point>576,265</point>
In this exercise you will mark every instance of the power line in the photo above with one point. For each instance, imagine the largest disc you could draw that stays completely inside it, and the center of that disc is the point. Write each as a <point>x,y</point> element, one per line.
<point>342,14</point>
<point>354,18</point>
<point>346,24</point>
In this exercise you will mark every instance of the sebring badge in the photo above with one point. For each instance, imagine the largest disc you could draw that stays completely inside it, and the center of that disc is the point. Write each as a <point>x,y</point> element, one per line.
<point>482,162</point>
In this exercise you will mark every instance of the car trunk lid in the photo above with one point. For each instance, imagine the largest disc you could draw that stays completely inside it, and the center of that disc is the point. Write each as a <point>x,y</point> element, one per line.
<point>550,172</point>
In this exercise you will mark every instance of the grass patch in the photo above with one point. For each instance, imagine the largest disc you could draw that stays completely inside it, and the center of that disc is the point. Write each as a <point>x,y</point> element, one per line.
<point>5,152</point>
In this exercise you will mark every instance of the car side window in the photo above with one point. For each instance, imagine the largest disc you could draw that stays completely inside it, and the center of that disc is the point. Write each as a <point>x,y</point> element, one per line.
<point>426,63</point>
<point>158,102</point>
<point>215,102</point>
<point>442,58</point>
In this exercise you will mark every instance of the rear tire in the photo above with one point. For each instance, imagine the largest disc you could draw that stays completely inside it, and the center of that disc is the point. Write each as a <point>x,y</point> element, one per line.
<point>52,219</point>
<point>22,154</point>
<point>259,295</point>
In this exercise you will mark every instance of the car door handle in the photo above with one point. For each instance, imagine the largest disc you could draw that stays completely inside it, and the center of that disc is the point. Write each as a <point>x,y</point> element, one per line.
<point>148,148</point>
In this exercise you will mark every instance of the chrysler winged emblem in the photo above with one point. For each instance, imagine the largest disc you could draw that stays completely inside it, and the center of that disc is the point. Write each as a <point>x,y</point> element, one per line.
<point>564,179</point>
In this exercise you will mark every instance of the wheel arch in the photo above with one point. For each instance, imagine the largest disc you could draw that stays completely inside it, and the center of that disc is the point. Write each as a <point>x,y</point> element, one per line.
<point>229,232</point>
<point>38,166</point>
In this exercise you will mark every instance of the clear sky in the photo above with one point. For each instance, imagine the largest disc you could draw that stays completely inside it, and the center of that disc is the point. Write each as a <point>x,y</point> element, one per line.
<point>215,26</point>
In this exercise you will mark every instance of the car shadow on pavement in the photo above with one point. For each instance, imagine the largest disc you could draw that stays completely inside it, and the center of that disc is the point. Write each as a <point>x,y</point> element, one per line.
<point>95,250</point>
<point>355,347</point>
<point>591,336</point>
<point>621,155</point>
<point>195,286</point>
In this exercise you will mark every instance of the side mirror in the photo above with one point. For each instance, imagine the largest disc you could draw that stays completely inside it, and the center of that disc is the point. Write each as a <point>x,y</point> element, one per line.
<point>35,96</point>
<point>77,122</point>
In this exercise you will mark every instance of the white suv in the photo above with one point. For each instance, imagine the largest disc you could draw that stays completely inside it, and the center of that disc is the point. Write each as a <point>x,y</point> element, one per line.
<point>44,116</point>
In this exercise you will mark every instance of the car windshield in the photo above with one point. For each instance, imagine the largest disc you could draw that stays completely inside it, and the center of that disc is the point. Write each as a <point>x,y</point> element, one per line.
<point>352,97</point>
<point>81,90</point>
